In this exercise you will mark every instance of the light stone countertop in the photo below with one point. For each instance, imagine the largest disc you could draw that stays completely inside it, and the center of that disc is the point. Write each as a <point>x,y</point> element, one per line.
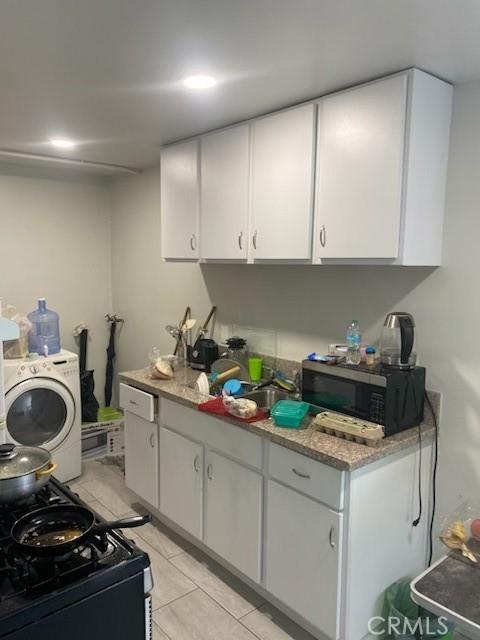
<point>336,452</point>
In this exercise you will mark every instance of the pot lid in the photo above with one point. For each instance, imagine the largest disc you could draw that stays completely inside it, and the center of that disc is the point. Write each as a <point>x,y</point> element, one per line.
<point>236,343</point>
<point>16,461</point>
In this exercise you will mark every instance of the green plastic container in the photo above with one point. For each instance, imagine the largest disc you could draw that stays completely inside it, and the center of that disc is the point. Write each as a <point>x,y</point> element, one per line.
<point>411,622</point>
<point>289,413</point>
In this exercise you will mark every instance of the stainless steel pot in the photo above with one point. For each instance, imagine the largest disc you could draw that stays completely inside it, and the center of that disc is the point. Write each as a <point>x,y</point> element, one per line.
<point>23,471</point>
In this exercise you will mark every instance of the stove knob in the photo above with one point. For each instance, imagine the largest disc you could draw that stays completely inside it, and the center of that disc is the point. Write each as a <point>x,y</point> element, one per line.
<point>34,369</point>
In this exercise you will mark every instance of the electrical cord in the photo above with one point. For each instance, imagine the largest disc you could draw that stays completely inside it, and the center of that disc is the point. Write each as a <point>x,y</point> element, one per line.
<point>434,479</point>
<point>416,522</point>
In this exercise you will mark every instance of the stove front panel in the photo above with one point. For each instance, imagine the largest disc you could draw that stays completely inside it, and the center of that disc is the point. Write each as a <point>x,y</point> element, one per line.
<point>116,612</point>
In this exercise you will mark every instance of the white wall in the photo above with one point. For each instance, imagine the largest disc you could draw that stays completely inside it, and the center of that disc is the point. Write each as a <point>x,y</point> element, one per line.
<point>55,243</point>
<point>148,293</point>
<point>311,306</point>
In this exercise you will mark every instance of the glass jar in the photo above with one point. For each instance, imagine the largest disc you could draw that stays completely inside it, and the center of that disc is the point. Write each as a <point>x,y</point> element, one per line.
<point>237,350</point>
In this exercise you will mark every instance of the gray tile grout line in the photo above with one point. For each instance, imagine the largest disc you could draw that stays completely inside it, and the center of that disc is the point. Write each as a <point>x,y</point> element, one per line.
<point>162,606</point>
<point>161,629</point>
<point>250,630</point>
<point>197,587</point>
<point>214,599</point>
<point>215,602</point>
<point>96,499</point>
<point>167,604</point>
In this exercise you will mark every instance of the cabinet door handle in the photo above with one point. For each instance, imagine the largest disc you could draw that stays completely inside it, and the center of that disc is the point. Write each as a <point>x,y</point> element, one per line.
<point>240,240</point>
<point>196,463</point>
<point>254,240</point>
<point>331,537</point>
<point>193,242</point>
<point>133,402</point>
<point>152,440</point>
<point>323,236</point>
<point>209,472</point>
<point>300,473</point>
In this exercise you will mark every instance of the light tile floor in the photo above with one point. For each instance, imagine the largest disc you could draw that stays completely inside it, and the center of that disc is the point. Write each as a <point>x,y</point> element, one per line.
<point>194,598</point>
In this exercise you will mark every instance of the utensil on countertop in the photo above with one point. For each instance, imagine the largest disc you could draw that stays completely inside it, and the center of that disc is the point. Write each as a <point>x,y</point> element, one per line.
<point>186,315</point>
<point>188,325</point>
<point>23,471</point>
<point>203,330</point>
<point>173,331</point>
<point>58,529</point>
<point>220,378</point>
<point>223,365</point>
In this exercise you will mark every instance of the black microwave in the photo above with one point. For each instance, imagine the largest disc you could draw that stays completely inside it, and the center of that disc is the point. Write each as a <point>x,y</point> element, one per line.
<point>390,397</point>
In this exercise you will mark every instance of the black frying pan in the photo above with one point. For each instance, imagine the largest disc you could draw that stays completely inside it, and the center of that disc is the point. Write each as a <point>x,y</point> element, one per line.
<point>53,531</point>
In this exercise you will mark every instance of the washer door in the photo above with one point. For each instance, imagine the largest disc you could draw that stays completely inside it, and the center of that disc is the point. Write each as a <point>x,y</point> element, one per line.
<point>40,412</point>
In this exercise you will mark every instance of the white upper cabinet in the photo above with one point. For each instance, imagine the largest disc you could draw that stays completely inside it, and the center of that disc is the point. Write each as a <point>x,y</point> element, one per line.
<point>375,156</point>
<point>381,171</point>
<point>224,194</point>
<point>180,200</point>
<point>361,136</point>
<point>282,187</point>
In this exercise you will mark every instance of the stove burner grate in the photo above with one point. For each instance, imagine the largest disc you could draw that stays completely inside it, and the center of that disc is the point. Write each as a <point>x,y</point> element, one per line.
<point>22,574</point>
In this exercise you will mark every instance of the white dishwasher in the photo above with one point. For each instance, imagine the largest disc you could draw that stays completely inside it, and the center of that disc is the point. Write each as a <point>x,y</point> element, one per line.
<point>141,443</point>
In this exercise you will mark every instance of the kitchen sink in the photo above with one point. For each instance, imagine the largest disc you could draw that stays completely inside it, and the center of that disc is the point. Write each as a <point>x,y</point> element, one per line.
<point>268,396</point>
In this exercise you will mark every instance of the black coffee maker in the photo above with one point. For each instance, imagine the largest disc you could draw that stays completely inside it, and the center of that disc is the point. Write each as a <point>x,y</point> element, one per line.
<point>205,350</point>
<point>203,354</point>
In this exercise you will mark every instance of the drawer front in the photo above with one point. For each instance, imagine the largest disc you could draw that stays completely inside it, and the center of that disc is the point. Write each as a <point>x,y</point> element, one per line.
<point>138,402</point>
<point>307,475</point>
<point>215,433</point>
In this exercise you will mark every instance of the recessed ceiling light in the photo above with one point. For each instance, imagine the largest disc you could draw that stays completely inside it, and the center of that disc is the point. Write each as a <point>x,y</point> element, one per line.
<point>199,82</point>
<point>63,143</point>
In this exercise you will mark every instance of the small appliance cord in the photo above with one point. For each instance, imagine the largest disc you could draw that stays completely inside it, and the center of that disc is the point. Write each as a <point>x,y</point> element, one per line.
<point>434,479</point>
<point>416,522</point>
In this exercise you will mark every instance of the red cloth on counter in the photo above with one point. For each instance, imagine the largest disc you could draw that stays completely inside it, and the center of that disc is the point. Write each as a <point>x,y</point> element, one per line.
<point>216,407</point>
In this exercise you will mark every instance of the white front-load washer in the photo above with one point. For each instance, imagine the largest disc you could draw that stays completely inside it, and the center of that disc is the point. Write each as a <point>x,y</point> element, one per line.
<point>43,408</point>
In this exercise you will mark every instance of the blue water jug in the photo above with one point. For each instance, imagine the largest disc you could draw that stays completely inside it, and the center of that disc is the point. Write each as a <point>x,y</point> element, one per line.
<point>44,337</point>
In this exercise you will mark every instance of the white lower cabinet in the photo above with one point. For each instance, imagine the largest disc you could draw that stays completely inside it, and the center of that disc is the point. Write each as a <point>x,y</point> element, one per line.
<point>233,513</point>
<point>141,457</point>
<point>323,542</point>
<point>181,481</point>
<point>302,556</point>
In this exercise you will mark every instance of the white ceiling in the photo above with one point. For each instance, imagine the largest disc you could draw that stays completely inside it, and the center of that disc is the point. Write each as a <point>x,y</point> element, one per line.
<point>107,72</point>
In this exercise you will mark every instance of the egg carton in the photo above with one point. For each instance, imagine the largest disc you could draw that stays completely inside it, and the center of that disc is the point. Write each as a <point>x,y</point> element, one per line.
<point>361,431</point>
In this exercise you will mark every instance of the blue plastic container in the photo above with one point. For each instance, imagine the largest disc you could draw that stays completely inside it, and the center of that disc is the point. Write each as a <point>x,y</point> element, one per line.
<point>44,337</point>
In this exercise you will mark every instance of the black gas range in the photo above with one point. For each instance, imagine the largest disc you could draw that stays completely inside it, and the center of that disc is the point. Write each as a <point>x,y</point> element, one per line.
<point>98,591</point>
